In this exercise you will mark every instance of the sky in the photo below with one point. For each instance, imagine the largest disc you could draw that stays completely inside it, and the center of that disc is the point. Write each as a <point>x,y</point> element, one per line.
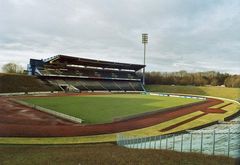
<point>192,35</point>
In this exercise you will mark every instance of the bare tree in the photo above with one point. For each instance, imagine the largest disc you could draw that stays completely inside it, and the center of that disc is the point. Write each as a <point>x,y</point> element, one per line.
<point>12,68</point>
<point>199,78</point>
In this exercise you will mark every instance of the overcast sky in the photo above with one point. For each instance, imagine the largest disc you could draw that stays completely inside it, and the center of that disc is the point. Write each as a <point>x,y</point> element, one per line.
<point>192,35</point>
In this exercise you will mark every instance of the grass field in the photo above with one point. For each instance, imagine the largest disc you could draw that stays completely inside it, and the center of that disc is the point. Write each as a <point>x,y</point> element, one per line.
<point>230,93</point>
<point>101,154</point>
<point>104,108</point>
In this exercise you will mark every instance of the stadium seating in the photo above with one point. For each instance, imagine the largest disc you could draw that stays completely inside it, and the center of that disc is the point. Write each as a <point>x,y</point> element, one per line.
<point>125,85</point>
<point>87,74</point>
<point>110,85</point>
<point>90,73</point>
<point>137,86</point>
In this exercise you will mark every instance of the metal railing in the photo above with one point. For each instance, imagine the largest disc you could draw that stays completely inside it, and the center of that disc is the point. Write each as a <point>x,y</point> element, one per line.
<point>224,142</point>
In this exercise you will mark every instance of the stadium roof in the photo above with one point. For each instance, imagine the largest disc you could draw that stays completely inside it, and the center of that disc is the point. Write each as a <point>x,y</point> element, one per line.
<point>93,63</point>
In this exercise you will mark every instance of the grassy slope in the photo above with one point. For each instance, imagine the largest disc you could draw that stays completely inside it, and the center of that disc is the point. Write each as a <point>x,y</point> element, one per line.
<point>108,106</point>
<point>231,93</point>
<point>21,83</point>
<point>101,154</point>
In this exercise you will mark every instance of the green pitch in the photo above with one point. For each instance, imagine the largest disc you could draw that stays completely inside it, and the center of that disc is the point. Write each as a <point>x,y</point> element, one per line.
<point>104,108</point>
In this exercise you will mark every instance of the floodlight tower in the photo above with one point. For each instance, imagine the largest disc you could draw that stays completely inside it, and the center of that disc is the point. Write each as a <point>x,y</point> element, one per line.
<point>144,41</point>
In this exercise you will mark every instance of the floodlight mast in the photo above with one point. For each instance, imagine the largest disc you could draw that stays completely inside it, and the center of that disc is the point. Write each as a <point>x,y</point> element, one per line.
<point>144,41</point>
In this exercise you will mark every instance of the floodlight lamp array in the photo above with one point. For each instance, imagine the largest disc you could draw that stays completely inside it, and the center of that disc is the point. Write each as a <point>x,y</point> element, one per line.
<point>144,38</point>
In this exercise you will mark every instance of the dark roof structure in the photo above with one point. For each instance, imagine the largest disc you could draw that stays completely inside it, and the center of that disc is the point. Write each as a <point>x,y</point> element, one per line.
<point>69,60</point>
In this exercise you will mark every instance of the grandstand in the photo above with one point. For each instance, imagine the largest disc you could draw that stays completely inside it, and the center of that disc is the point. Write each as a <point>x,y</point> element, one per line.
<point>81,74</point>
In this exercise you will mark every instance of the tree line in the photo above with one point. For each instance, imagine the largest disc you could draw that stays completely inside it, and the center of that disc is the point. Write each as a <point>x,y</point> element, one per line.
<point>198,79</point>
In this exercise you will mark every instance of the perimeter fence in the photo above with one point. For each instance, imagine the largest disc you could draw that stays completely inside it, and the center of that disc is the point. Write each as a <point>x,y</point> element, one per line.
<point>214,142</point>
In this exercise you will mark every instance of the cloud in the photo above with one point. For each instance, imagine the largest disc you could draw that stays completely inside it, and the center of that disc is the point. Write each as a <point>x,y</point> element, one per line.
<point>183,34</point>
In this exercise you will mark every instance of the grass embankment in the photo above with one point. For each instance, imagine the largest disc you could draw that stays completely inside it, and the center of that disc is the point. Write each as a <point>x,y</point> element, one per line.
<point>101,154</point>
<point>11,83</point>
<point>104,108</point>
<point>230,93</point>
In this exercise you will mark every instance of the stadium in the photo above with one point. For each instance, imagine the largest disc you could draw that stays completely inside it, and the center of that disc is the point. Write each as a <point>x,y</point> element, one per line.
<point>119,82</point>
<point>92,101</point>
<point>89,103</point>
